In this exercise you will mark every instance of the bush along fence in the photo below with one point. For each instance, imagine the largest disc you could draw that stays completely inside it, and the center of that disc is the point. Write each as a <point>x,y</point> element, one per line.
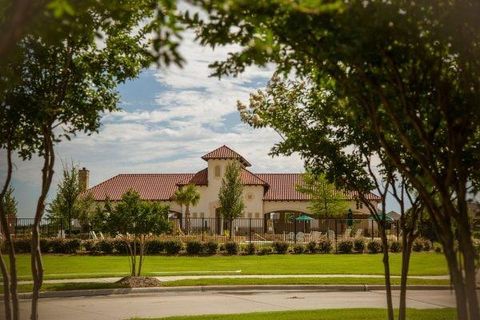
<point>218,229</point>
<point>159,246</point>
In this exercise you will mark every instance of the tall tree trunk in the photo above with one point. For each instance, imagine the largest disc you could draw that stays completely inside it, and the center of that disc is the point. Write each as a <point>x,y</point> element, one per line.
<point>187,219</point>
<point>9,280</point>
<point>406,253</point>
<point>36,254</point>
<point>386,267</point>
<point>230,222</point>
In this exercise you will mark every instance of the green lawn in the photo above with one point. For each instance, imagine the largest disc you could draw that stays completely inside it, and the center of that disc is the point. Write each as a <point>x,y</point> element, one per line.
<point>233,282</point>
<point>328,314</point>
<point>77,266</point>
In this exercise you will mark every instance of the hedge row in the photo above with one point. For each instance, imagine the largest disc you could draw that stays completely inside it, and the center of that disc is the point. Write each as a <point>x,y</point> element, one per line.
<point>173,247</point>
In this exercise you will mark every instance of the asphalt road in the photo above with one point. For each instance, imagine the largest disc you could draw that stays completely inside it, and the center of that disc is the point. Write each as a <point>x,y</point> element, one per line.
<point>195,303</point>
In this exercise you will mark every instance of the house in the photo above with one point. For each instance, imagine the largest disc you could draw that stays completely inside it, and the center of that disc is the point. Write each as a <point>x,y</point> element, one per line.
<point>270,198</point>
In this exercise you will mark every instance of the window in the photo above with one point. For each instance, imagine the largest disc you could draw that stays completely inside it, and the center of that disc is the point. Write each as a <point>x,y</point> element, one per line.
<point>257,215</point>
<point>359,205</point>
<point>249,214</point>
<point>194,215</point>
<point>217,171</point>
<point>249,196</point>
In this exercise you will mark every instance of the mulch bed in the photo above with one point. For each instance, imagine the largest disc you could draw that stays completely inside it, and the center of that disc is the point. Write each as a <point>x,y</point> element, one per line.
<point>139,282</point>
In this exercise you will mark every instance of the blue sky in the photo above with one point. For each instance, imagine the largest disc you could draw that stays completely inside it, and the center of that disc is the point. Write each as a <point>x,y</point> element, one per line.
<point>169,119</point>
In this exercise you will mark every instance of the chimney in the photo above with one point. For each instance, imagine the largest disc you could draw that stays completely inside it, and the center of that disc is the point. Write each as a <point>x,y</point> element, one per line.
<point>83,176</point>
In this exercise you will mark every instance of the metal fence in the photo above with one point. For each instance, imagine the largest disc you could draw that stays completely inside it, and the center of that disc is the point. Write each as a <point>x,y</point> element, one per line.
<point>219,229</point>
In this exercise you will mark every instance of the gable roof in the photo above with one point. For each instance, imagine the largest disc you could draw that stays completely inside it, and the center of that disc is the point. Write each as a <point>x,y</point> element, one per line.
<point>283,187</point>
<point>149,186</point>
<point>225,152</point>
<point>201,178</point>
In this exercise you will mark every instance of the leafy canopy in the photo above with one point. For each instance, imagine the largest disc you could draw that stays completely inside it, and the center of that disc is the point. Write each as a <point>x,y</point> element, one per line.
<point>231,192</point>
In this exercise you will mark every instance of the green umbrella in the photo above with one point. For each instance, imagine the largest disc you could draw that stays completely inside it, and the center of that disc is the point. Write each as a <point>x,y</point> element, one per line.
<point>303,217</point>
<point>387,218</point>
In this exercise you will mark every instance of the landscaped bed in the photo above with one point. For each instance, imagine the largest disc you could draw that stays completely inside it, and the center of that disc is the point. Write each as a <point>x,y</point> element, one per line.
<point>328,314</point>
<point>80,266</point>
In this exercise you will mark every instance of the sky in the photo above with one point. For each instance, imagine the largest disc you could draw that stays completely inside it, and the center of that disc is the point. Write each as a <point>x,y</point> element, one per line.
<point>169,119</point>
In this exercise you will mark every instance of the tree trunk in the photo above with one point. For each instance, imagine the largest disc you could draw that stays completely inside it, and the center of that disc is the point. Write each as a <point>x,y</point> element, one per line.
<point>9,280</point>
<point>187,219</point>
<point>36,255</point>
<point>230,222</point>
<point>6,288</point>
<point>386,266</point>
<point>407,242</point>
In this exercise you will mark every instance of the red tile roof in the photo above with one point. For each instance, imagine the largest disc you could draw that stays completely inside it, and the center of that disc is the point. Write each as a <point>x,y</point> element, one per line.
<point>225,152</point>
<point>201,178</point>
<point>149,186</point>
<point>283,188</point>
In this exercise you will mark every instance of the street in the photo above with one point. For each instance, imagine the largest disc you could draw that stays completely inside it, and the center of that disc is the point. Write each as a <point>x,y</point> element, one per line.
<point>196,303</point>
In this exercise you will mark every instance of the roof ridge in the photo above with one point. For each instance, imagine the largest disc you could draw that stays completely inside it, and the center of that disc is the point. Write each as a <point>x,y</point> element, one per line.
<point>256,176</point>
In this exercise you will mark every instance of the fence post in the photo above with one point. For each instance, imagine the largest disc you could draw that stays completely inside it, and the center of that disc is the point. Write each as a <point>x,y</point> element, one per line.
<point>295,229</point>
<point>203,230</point>
<point>398,230</point>
<point>336,237</point>
<point>250,229</point>
<point>372,229</point>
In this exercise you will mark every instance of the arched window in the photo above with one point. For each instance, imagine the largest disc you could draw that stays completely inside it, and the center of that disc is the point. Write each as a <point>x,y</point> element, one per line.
<point>217,171</point>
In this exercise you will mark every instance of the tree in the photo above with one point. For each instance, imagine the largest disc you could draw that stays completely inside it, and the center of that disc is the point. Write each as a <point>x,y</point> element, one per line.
<point>187,196</point>
<point>65,206</point>
<point>230,194</point>
<point>60,77</point>
<point>407,71</point>
<point>10,203</point>
<point>325,199</point>
<point>134,221</point>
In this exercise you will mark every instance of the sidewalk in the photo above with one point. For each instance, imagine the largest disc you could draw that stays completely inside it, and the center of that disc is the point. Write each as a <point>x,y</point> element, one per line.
<point>262,276</point>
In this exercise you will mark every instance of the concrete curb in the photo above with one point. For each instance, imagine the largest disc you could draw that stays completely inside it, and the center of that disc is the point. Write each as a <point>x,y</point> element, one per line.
<point>239,288</point>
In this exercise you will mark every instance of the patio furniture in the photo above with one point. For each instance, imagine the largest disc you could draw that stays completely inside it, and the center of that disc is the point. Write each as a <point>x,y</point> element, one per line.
<point>291,236</point>
<point>316,235</point>
<point>359,232</point>
<point>331,234</point>
<point>301,237</point>
<point>347,233</point>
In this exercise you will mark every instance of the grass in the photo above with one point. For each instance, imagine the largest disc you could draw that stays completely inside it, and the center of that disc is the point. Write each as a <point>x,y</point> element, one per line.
<point>232,282</point>
<point>77,266</point>
<point>300,281</point>
<point>327,314</point>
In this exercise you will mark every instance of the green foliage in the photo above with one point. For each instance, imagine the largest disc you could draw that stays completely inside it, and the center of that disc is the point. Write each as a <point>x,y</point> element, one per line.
<point>298,248</point>
<point>264,250</point>
<point>280,247</point>
<point>325,245</point>
<point>105,246</point>
<point>230,194</point>
<point>10,203</point>
<point>231,247</point>
<point>249,249</point>
<point>359,245</point>
<point>345,246</point>
<point>312,247</point>
<point>193,247</point>
<point>395,246</point>
<point>325,199</point>
<point>155,246</point>
<point>187,196</point>
<point>374,246</point>
<point>173,247</point>
<point>210,247</point>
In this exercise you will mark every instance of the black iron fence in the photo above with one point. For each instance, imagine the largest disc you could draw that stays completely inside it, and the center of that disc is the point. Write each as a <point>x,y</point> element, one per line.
<point>219,229</point>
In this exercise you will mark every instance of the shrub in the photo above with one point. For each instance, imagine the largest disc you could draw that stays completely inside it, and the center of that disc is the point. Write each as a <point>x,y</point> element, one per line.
<point>417,245</point>
<point>89,245</point>
<point>395,246</point>
<point>194,247</point>
<point>155,246</point>
<point>264,250</point>
<point>249,249</point>
<point>231,247</point>
<point>56,245</point>
<point>298,248</point>
<point>71,245</point>
<point>45,245</point>
<point>173,247</point>
<point>210,247</point>
<point>22,245</point>
<point>120,246</point>
<point>345,246</point>
<point>359,245</point>
<point>280,247</point>
<point>438,248</point>
<point>105,246</point>
<point>374,246</point>
<point>312,247</point>
<point>325,245</point>
<point>427,245</point>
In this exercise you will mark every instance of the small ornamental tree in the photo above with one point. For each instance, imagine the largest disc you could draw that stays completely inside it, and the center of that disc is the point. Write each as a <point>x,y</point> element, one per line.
<point>134,221</point>
<point>325,199</point>
<point>187,196</point>
<point>231,194</point>
<point>10,203</point>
